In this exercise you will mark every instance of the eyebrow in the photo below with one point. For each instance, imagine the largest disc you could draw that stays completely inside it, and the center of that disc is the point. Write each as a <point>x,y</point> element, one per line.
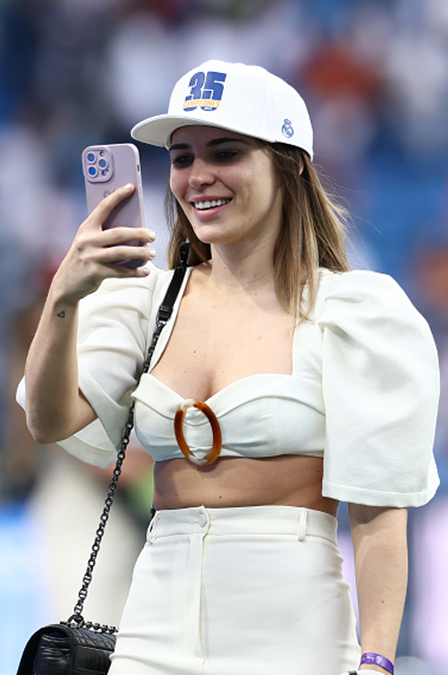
<point>210,144</point>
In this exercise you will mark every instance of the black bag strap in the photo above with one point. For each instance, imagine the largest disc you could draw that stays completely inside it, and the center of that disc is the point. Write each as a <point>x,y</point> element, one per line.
<point>163,316</point>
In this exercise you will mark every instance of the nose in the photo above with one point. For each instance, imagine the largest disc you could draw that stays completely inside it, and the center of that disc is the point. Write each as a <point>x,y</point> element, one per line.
<point>201,174</point>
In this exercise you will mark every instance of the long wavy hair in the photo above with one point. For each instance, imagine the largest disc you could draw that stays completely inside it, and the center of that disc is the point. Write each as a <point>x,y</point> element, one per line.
<point>313,232</point>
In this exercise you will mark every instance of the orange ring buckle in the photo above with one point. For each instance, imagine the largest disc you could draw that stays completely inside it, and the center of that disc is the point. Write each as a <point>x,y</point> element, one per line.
<point>213,454</point>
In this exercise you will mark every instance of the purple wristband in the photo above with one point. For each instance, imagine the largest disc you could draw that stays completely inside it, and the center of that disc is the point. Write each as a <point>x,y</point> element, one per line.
<point>378,660</point>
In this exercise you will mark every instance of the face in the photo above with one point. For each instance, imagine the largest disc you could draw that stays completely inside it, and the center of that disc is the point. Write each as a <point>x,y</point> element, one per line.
<point>226,185</point>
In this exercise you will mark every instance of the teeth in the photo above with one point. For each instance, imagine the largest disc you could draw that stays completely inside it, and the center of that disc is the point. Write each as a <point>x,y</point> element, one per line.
<point>210,204</point>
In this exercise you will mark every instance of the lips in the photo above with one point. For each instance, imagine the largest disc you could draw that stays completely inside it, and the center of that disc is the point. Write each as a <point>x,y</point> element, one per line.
<point>206,204</point>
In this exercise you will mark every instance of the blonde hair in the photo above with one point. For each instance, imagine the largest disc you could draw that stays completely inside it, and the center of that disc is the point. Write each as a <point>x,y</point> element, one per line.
<point>313,232</point>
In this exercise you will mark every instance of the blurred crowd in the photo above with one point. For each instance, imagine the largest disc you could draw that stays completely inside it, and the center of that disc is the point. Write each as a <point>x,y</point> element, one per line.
<point>374,74</point>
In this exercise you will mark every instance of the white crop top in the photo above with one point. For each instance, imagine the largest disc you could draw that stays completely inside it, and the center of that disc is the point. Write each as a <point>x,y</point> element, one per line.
<point>363,393</point>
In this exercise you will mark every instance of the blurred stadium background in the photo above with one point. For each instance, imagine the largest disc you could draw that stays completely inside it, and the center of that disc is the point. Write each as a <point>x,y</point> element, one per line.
<point>76,72</point>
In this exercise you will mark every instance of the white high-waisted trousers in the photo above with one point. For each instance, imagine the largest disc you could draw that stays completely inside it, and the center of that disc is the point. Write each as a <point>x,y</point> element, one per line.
<point>238,591</point>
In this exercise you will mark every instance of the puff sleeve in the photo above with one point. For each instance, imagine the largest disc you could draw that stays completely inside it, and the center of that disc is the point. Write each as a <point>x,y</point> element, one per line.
<point>112,338</point>
<point>380,381</point>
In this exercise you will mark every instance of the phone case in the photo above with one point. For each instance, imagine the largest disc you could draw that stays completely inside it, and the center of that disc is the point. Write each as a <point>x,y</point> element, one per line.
<point>106,168</point>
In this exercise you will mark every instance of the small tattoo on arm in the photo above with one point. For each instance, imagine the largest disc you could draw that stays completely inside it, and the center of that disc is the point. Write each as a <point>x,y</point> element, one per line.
<point>61,315</point>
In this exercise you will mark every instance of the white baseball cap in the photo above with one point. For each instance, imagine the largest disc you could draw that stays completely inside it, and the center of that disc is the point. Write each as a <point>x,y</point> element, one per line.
<point>246,99</point>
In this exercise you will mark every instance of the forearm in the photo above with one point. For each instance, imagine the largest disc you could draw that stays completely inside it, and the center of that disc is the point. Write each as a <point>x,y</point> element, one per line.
<point>381,560</point>
<point>54,406</point>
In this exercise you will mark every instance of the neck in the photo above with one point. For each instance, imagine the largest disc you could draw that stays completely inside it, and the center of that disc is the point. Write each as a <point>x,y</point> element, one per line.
<point>235,271</point>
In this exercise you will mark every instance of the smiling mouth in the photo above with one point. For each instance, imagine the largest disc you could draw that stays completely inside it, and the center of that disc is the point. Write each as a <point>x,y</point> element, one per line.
<point>210,204</point>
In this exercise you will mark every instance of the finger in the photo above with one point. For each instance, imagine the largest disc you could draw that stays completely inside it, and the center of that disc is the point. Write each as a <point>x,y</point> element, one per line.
<point>100,270</point>
<point>120,254</point>
<point>122,271</point>
<point>90,242</point>
<point>119,235</point>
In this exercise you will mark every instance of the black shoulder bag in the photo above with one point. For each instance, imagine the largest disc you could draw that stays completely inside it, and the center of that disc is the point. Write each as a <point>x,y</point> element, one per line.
<point>76,646</point>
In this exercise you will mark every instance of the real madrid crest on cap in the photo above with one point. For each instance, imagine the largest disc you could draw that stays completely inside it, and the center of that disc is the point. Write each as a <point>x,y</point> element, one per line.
<point>287,129</point>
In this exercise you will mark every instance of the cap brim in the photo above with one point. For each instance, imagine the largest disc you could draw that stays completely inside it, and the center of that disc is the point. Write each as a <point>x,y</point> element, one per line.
<point>158,130</point>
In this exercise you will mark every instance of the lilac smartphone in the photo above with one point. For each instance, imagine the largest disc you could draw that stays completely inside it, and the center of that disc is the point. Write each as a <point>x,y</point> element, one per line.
<point>106,168</point>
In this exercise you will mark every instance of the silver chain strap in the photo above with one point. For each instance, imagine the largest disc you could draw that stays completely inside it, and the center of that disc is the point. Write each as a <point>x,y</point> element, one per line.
<point>76,620</point>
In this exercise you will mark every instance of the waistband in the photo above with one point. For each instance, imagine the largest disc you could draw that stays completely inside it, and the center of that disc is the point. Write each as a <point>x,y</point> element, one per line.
<point>243,520</point>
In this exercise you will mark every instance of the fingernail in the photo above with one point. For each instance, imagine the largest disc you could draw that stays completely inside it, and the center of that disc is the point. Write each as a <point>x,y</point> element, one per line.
<point>145,271</point>
<point>152,253</point>
<point>129,186</point>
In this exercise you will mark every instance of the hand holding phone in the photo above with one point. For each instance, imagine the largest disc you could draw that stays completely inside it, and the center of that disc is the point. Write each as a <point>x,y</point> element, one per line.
<point>106,168</point>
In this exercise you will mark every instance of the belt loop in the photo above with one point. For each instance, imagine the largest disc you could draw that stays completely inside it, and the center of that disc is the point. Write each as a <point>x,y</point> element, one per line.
<point>151,535</point>
<point>303,514</point>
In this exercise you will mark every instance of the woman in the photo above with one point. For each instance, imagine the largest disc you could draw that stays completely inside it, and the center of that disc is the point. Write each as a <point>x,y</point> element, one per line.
<point>323,382</point>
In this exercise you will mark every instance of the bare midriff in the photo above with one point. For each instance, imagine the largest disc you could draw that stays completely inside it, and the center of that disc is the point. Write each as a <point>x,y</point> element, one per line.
<point>290,480</point>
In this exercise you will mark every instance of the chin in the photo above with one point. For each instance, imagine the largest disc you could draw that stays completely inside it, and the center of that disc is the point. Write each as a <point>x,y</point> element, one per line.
<point>208,234</point>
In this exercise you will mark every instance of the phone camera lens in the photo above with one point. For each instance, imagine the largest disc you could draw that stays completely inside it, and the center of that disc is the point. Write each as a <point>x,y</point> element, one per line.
<point>90,157</point>
<point>102,163</point>
<point>105,172</point>
<point>92,171</point>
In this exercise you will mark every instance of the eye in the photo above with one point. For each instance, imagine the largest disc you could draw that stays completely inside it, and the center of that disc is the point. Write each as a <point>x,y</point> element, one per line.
<point>226,155</point>
<point>180,161</point>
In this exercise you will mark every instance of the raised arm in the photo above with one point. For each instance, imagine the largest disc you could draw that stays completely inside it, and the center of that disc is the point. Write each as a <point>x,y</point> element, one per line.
<point>381,560</point>
<point>55,407</point>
